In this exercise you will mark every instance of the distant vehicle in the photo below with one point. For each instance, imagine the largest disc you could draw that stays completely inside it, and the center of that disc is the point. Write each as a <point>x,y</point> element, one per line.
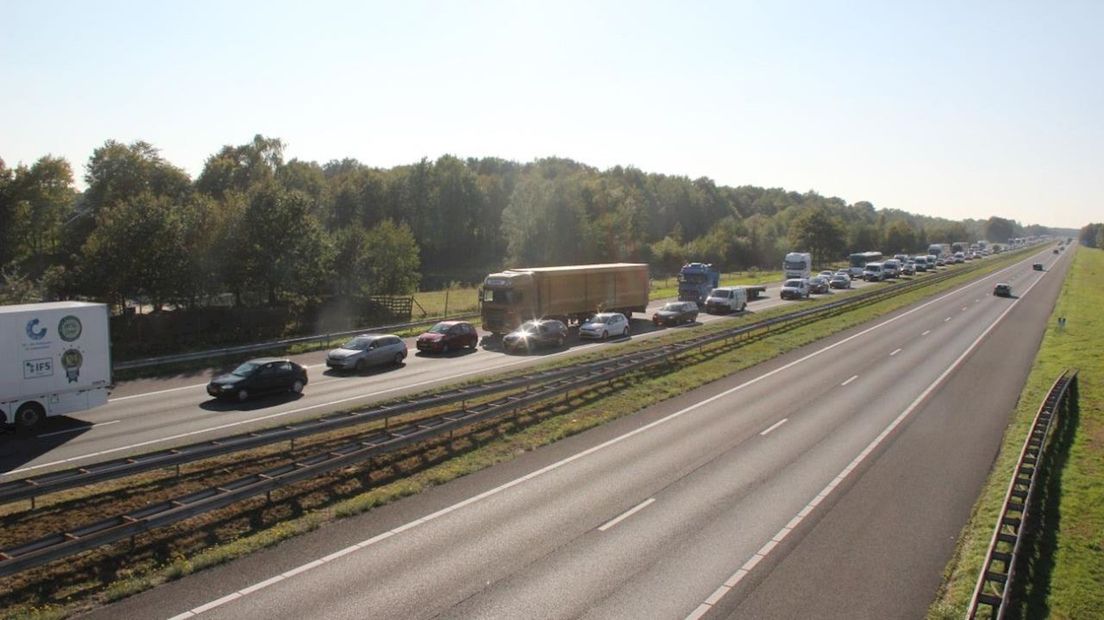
<point>448,336</point>
<point>920,263</point>
<point>892,268</point>
<point>795,288</point>
<point>827,273</point>
<point>55,358</point>
<point>932,260</point>
<point>1037,266</point>
<point>574,292</point>
<point>859,260</point>
<point>531,335</point>
<point>908,269</point>
<point>940,250</point>
<point>726,299</point>
<point>263,375</point>
<point>873,272</point>
<point>1002,289</point>
<point>797,265</point>
<point>367,350</point>
<point>603,325</point>
<point>846,272</point>
<point>840,281</point>
<point>1056,251</point>
<point>676,313</point>
<point>818,285</point>
<point>695,280</point>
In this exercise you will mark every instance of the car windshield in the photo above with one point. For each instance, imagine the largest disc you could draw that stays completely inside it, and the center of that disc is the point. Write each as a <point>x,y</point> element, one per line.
<point>245,369</point>
<point>671,308</point>
<point>529,327</point>
<point>359,343</point>
<point>793,283</point>
<point>440,328</point>
<point>719,292</point>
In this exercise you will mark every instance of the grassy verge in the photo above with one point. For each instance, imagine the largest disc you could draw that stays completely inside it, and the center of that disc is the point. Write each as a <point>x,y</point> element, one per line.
<point>258,525</point>
<point>1065,576</point>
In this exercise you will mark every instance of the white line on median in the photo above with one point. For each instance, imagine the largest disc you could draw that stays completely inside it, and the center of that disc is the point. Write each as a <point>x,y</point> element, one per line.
<point>774,426</point>
<point>926,332</point>
<point>895,352</point>
<point>849,380</point>
<point>628,513</point>
<point>946,319</point>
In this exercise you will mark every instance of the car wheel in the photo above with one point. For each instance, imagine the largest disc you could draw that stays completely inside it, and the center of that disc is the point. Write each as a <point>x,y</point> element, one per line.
<point>560,342</point>
<point>29,415</point>
<point>243,395</point>
<point>445,348</point>
<point>297,387</point>
<point>625,332</point>
<point>398,359</point>
<point>605,334</point>
<point>361,365</point>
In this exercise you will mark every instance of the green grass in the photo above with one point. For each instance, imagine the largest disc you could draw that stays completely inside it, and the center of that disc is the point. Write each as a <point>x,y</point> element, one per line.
<point>663,288</point>
<point>1065,578</point>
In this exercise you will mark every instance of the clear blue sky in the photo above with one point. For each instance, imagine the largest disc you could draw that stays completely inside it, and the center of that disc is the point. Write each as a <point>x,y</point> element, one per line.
<point>954,109</point>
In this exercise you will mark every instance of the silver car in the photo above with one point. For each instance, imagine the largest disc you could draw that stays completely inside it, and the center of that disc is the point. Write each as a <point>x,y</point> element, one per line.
<point>603,325</point>
<point>367,350</point>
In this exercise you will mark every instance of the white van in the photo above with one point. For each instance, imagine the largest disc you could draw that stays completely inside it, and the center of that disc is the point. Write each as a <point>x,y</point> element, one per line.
<point>726,299</point>
<point>873,272</point>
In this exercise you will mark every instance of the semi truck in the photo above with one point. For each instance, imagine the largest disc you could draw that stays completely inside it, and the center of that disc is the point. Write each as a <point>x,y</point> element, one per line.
<point>55,359</point>
<point>696,280</point>
<point>569,293</point>
<point>797,265</point>
<point>940,250</point>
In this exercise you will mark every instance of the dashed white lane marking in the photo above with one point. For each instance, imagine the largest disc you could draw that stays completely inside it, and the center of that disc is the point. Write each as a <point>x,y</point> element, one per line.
<point>963,308</point>
<point>774,426</point>
<point>946,319</point>
<point>765,550</point>
<point>895,352</point>
<point>625,515</point>
<point>849,380</point>
<point>926,332</point>
<point>78,428</point>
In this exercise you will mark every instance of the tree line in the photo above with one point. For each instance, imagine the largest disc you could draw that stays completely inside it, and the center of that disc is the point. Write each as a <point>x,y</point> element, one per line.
<point>1092,235</point>
<point>255,230</point>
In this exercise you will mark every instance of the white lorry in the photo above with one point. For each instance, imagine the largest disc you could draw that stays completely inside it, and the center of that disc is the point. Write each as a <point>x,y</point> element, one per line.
<point>55,358</point>
<point>797,265</point>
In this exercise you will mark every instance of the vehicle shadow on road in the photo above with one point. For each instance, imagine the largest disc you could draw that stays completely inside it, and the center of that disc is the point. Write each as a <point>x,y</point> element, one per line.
<point>260,402</point>
<point>18,447</point>
<point>368,372</point>
<point>447,355</point>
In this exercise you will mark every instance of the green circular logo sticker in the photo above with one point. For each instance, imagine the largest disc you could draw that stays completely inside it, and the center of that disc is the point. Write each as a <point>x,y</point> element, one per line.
<point>69,328</point>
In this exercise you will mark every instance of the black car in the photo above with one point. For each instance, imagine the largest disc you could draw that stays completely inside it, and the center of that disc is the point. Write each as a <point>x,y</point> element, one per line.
<point>1037,266</point>
<point>676,313</point>
<point>1002,289</point>
<point>819,285</point>
<point>533,334</point>
<point>259,376</point>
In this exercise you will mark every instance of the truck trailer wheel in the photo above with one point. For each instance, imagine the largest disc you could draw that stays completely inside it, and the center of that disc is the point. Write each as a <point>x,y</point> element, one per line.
<point>29,415</point>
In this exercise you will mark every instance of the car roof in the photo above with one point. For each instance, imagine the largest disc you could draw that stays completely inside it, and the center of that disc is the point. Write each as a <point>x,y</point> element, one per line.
<point>268,360</point>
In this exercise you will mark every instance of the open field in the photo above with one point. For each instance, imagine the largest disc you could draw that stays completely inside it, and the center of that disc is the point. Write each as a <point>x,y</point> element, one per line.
<point>1065,578</point>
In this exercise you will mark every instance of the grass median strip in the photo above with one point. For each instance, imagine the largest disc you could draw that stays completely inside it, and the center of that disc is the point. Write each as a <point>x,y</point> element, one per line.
<point>356,491</point>
<point>1065,576</point>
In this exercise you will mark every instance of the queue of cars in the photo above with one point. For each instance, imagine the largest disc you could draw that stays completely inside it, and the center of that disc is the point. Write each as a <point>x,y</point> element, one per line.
<point>360,353</point>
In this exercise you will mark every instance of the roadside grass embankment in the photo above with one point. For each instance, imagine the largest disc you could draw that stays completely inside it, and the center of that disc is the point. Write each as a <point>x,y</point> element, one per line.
<point>121,570</point>
<point>1064,576</point>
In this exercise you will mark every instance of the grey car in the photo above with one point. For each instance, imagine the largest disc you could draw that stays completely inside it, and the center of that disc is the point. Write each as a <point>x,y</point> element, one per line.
<point>366,350</point>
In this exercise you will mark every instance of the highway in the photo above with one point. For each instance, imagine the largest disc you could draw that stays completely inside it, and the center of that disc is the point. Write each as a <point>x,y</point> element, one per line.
<point>830,482</point>
<point>153,414</point>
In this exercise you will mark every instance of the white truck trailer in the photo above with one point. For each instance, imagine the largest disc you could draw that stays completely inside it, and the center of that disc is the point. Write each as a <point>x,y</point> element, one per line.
<point>55,358</point>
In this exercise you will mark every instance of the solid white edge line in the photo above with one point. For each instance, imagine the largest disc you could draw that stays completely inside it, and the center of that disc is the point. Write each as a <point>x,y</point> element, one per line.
<point>895,352</point>
<point>873,445</point>
<point>773,426</point>
<point>849,380</point>
<point>77,428</point>
<point>625,515</point>
<point>647,427</point>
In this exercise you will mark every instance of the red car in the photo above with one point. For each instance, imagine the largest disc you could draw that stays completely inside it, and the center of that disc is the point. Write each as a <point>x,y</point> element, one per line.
<point>448,336</point>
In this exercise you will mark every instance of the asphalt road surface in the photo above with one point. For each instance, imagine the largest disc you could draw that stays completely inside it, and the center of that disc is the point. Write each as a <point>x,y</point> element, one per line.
<point>829,483</point>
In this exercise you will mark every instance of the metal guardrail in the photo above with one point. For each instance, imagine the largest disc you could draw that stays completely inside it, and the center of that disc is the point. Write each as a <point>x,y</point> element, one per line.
<point>565,380</point>
<point>163,360</point>
<point>998,572</point>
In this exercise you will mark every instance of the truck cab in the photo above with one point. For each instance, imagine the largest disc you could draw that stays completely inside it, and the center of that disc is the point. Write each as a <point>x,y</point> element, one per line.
<point>696,280</point>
